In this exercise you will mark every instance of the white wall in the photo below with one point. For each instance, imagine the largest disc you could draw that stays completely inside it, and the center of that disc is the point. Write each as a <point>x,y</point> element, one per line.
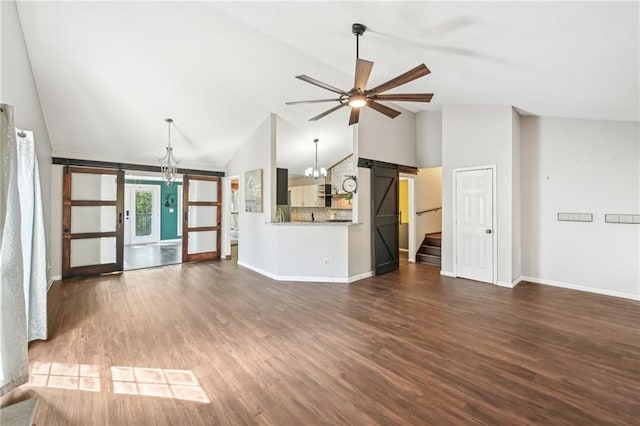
<point>256,240</point>
<point>303,249</point>
<point>18,88</point>
<point>584,167</point>
<point>479,136</point>
<point>429,139</point>
<point>360,256</point>
<point>385,139</point>
<point>428,196</point>
<point>516,199</point>
<point>55,242</point>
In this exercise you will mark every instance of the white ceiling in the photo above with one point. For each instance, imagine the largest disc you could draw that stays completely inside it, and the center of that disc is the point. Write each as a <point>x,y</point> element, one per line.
<point>109,73</point>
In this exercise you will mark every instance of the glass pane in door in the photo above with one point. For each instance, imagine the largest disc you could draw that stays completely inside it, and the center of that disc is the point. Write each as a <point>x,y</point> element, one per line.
<point>202,241</point>
<point>93,186</point>
<point>144,213</point>
<point>203,216</point>
<point>203,190</point>
<point>93,219</point>
<point>93,251</point>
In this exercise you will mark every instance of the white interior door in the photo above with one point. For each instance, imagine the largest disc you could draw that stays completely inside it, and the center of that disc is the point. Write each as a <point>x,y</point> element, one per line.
<point>142,208</point>
<point>474,225</point>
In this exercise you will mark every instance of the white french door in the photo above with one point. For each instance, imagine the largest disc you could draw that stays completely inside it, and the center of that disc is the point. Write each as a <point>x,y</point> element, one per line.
<point>474,224</point>
<point>142,213</point>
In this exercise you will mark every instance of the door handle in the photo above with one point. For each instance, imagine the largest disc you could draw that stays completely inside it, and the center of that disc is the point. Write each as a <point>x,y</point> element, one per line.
<point>120,218</point>
<point>488,231</point>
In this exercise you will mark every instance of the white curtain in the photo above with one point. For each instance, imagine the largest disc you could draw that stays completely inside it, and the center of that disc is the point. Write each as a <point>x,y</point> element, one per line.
<point>34,254</point>
<point>13,320</point>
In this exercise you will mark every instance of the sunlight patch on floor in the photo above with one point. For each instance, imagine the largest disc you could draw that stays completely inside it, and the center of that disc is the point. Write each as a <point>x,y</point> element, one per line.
<point>84,377</point>
<point>158,382</point>
<point>155,382</point>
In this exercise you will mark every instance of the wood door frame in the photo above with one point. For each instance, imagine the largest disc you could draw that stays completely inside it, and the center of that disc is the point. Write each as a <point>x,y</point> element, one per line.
<point>186,257</point>
<point>374,226</point>
<point>494,233</point>
<point>67,236</point>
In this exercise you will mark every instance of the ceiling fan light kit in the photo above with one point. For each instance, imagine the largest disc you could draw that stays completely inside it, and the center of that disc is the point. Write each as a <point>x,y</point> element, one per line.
<point>359,96</point>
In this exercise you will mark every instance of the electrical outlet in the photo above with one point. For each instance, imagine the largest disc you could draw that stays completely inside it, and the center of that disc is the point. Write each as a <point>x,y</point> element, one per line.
<point>325,261</point>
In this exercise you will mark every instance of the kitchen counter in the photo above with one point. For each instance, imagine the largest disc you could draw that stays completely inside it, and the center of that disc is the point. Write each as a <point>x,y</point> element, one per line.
<point>310,223</point>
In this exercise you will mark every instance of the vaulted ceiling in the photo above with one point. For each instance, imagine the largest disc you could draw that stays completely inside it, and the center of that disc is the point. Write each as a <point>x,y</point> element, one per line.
<point>109,73</point>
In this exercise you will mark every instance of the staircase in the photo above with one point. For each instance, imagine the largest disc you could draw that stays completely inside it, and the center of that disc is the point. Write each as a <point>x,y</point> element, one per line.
<point>429,251</point>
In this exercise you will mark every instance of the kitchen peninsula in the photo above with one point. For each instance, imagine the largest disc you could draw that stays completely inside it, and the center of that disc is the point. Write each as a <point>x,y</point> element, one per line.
<point>323,251</point>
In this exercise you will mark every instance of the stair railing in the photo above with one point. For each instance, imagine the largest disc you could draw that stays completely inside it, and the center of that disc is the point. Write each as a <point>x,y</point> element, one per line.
<point>428,211</point>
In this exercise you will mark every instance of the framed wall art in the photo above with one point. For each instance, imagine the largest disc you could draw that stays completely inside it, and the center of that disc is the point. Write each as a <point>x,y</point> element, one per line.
<point>253,191</point>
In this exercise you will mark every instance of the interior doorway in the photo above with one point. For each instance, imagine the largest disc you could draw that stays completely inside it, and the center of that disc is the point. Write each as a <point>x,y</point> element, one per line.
<point>152,216</point>
<point>475,223</point>
<point>234,220</point>
<point>428,217</point>
<point>407,219</point>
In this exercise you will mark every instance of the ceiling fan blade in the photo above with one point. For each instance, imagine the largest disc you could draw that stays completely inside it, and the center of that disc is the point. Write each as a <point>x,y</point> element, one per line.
<point>419,71</point>
<point>406,97</point>
<point>321,84</point>
<point>383,109</point>
<point>363,70</point>
<point>313,101</point>
<point>355,116</point>
<point>324,114</point>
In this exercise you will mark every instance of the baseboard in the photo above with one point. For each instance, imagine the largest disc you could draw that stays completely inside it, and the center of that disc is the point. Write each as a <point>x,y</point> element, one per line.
<point>509,285</point>
<point>360,276</point>
<point>570,286</point>
<point>52,280</point>
<point>447,273</point>
<point>306,279</point>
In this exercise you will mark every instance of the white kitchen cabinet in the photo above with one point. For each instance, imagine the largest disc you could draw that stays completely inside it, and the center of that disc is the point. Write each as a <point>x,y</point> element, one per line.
<point>306,196</point>
<point>297,196</point>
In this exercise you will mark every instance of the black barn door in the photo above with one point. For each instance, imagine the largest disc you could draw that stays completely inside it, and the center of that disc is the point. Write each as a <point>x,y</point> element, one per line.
<point>384,190</point>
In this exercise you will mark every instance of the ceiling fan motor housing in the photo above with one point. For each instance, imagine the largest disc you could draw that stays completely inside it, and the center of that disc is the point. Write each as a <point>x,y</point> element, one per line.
<point>358,29</point>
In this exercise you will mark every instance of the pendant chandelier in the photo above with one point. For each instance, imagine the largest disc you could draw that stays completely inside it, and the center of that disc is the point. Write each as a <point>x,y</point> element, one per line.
<point>168,163</point>
<point>314,171</point>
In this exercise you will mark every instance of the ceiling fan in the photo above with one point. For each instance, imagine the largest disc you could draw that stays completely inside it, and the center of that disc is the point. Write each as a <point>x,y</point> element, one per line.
<point>359,96</point>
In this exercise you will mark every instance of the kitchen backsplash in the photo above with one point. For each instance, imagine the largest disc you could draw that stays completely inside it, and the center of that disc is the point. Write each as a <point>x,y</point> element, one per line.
<point>338,173</point>
<point>320,214</point>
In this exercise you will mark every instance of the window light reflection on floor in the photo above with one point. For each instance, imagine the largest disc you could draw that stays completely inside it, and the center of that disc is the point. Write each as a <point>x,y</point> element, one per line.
<point>158,382</point>
<point>155,382</point>
<point>84,377</point>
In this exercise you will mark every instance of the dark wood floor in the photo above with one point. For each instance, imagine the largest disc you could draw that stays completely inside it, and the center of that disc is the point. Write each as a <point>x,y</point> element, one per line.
<point>409,347</point>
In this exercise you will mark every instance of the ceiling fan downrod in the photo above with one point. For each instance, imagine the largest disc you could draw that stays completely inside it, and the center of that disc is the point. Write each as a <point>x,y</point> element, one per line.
<point>358,30</point>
